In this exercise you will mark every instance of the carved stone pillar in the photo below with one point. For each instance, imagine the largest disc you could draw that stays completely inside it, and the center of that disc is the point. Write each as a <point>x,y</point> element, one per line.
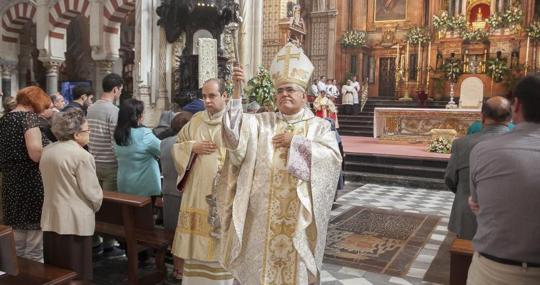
<point>103,67</point>
<point>162,100</point>
<point>25,58</point>
<point>6,80</point>
<point>52,76</point>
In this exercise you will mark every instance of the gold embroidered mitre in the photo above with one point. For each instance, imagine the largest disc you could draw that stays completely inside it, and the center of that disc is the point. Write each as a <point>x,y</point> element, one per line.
<point>291,65</point>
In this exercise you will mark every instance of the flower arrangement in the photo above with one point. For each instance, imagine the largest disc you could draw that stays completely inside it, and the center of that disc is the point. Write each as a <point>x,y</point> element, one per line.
<point>458,23</point>
<point>534,31</point>
<point>474,35</point>
<point>447,23</point>
<point>513,16</point>
<point>495,21</point>
<point>496,69</point>
<point>452,69</point>
<point>353,39</point>
<point>441,22</point>
<point>440,145</point>
<point>417,35</point>
<point>261,89</point>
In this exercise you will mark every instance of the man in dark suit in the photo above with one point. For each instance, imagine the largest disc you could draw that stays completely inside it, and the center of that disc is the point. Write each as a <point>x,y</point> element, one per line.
<point>496,115</point>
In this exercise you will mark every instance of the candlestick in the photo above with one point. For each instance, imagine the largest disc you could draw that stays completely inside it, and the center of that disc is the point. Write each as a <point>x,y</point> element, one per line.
<point>418,71</point>
<point>527,55</point>
<point>397,56</point>
<point>428,66</point>
<point>139,72</point>
<point>407,63</point>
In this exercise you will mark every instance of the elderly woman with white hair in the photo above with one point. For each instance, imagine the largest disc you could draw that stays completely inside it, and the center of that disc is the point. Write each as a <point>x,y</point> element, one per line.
<point>72,195</point>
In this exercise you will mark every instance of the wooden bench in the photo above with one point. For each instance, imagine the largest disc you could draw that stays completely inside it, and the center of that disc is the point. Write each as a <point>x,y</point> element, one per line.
<point>22,271</point>
<point>461,253</point>
<point>130,218</point>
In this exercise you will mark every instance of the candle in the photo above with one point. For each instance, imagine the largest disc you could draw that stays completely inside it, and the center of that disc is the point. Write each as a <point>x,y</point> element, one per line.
<point>418,72</point>
<point>407,63</point>
<point>428,67</point>
<point>397,56</point>
<point>527,52</point>
<point>139,72</point>
<point>429,56</point>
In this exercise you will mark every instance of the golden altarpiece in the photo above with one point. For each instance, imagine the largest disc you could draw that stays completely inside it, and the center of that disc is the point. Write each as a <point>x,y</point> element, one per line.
<point>388,60</point>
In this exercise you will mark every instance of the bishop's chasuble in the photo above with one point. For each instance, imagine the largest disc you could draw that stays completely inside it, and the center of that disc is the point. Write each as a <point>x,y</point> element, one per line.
<point>192,240</point>
<point>275,203</point>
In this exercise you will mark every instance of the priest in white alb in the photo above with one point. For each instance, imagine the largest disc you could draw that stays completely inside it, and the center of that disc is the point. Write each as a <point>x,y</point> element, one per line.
<point>278,182</point>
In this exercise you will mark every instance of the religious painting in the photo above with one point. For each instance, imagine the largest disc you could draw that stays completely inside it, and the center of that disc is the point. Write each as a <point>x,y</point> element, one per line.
<point>390,10</point>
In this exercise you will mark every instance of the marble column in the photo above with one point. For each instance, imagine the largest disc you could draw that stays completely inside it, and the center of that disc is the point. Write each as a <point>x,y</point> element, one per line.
<point>6,80</point>
<point>103,67</point>
<point>25,65</point>
<point>332,27</point>
<point>162,100</point>
<point>250,36</point>
<point>52,76</point>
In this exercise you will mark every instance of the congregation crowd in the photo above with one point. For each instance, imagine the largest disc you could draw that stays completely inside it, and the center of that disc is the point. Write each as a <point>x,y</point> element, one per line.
<point>494,173</point>
<point>56,160</point>
<point>247,195</point>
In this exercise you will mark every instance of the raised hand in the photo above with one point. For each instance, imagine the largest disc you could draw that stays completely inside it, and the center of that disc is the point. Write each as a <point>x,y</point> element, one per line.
<point>238,79</point>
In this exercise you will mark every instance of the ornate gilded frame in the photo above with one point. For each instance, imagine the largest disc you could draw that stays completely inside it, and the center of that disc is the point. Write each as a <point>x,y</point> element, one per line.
<point>389,21</point>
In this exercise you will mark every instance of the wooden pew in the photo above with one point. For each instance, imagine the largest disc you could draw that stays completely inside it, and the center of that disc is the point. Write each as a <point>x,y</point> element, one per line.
<point>22,271</point>
<point>130,218</point>
<point>461,253</point>
<point>8,256</point>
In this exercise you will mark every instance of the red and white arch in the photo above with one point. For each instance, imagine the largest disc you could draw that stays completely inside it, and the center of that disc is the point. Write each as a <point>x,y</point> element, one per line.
<point>115,11</point>
<point>14,19</point>
<point>61,14</point>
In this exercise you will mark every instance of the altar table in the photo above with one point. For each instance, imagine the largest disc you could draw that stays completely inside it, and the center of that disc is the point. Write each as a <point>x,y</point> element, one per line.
<point>414,125</point>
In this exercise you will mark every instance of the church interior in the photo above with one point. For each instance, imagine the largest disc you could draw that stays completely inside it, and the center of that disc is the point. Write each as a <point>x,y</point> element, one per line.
<point>421,75</point>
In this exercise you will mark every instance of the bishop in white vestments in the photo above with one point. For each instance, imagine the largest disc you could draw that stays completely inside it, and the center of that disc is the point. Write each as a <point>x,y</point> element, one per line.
<point>278,182</point>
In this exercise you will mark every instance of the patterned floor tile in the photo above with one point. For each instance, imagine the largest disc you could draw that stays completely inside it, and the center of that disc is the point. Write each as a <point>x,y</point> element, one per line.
<point>410,200</point>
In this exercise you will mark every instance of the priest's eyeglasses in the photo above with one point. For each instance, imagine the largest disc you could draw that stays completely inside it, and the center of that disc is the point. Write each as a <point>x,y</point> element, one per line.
<point>289,90</point>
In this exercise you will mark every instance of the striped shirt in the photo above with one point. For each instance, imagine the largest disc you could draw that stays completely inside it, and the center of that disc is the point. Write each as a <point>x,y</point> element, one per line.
<point>102,117</point>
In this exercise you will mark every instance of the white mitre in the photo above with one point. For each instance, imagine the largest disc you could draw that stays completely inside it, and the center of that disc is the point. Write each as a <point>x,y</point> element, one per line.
<point>291,65</point>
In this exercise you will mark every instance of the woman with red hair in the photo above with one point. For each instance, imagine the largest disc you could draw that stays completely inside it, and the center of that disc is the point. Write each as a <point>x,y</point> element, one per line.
<point>22,188</point>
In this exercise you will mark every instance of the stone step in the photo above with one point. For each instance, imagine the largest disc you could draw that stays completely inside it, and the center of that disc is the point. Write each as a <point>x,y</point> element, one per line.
<point>356,133</point>
<point>393,160</point>
<point>395,180</point>
<point>399,170</point>
<point>355,126</point>
<point>353,117</point>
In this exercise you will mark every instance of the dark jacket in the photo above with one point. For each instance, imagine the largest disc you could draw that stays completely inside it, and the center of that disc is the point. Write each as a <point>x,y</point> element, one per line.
<point>462,220</point>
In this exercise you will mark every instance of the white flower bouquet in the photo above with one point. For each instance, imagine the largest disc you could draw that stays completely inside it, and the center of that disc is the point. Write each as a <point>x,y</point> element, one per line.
<point>417,35</point>
<point>353,39</point>
<point>513,16</point>
<point>533,31</point>
<point>495,21</point>
<point>474,35</point>
<point>440,145</point>
<point>497,69</point>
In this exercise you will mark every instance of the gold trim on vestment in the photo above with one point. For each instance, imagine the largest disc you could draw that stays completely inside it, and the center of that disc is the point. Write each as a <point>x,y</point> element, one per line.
<point>188,266</point>
<point>280,256</point>
<point>207,275</point>
<point>194,221</point>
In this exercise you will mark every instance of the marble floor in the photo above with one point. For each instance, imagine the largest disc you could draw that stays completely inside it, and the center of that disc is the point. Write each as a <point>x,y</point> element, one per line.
<point>411,200</point>
<point>404,199</point>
